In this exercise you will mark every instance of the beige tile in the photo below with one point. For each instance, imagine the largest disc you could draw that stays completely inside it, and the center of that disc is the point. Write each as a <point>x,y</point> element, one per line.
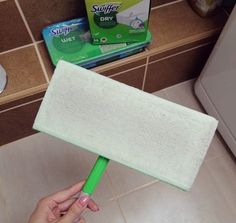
<point>3,200</point>
<point>72,164</point>
<point>183,94</point>
<point>209,199</point>
<point>125,179</point>
<point>157,203</point>
<point>164,203</point>
<point>38,165</point>
<point>223,169</point>
<point>107,214</point>
<point>217,148</point>
<point>161,94</point>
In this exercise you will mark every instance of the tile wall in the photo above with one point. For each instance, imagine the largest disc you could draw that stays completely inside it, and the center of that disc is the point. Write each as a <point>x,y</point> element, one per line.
<point>182,42</point>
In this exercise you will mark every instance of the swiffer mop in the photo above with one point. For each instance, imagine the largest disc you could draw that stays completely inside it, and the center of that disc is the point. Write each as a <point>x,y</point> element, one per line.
<point>119,122</point>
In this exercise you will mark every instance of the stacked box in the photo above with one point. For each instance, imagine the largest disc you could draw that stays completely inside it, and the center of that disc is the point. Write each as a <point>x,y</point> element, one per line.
<point>118,21</point>
<point>71,41</point>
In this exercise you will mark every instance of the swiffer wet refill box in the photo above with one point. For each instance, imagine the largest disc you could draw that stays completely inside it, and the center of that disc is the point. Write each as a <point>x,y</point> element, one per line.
<point>71,41</point>
<point>118,21</point>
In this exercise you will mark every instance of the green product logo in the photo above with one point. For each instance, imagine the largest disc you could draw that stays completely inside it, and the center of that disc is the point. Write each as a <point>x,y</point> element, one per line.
<point>105,14</point>
<point>70,43</point>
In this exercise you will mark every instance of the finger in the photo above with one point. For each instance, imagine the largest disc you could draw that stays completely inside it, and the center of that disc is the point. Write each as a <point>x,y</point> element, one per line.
<point>75,210</point>
<point>92,205</point>
<point>56,213</point>
<point>80,220</point>
<point>64,206</point>
<point>67,193</point>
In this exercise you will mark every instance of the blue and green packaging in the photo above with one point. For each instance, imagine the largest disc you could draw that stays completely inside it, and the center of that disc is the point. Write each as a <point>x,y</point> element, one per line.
<point>71,41</point>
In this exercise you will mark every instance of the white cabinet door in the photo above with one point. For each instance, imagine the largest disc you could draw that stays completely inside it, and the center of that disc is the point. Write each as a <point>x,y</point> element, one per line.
<point>216,86</point>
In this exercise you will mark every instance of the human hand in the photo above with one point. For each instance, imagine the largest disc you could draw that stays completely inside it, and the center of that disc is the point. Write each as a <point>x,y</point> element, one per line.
<point>63,207</point>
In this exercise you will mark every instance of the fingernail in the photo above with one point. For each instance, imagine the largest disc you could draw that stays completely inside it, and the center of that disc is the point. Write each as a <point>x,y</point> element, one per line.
<point>76,220</point>
<point>81,221</point>
<point>96,208</point>
<point>83,200</point>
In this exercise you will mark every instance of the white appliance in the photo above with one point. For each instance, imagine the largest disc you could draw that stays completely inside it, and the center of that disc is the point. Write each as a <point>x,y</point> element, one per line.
<point>3,79</point>
<point>216,86</point>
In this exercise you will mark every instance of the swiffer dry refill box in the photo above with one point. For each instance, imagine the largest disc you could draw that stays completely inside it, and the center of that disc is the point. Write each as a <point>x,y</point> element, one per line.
<point>118,21</point>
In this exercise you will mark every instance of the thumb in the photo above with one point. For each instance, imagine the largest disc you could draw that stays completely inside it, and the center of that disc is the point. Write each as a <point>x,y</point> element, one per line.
<point>76,209</point>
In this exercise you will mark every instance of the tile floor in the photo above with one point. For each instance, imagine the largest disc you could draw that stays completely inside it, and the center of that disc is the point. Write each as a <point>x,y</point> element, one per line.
<point>38,165</point>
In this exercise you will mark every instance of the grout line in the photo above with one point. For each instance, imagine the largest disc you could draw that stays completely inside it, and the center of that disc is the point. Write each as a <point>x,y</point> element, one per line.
<point>212,158</point>
<point>22,94</point>
<point>178,84</point>
<point>145,73</point>
<point>135,189</point>
<point>124,71</point>
<point>162,91</point>
<point>121,211</point>
<point>226,12</point>
<point>24,20</point>
<point>112,188</point>
<point>166,4</point>
<point>39,41</point>
<point>181,52</point>
<point>110,181</point>
<point>115,198</point>
<point>17,48</point>
<point>18,106</point>
<point>41,63</point>
<point>113,194</point>
<point>120,62</point>
<point>34,41</point>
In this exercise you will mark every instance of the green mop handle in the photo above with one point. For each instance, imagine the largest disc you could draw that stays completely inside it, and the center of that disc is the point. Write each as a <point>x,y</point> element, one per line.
<point>95,175</point>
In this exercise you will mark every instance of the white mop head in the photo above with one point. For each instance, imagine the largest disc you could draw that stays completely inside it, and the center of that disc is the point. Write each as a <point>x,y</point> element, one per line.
<point>122,123</point>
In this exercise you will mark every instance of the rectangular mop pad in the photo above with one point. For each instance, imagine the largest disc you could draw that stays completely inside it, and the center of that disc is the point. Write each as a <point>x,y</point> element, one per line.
<point>122,123</point>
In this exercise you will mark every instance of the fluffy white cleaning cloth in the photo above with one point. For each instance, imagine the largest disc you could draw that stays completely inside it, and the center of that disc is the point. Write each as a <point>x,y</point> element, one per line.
<point>122,123</point>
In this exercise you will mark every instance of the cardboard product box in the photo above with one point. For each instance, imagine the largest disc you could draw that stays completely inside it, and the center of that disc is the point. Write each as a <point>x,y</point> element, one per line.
<point>71,41</point>
<point>118,21</point>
